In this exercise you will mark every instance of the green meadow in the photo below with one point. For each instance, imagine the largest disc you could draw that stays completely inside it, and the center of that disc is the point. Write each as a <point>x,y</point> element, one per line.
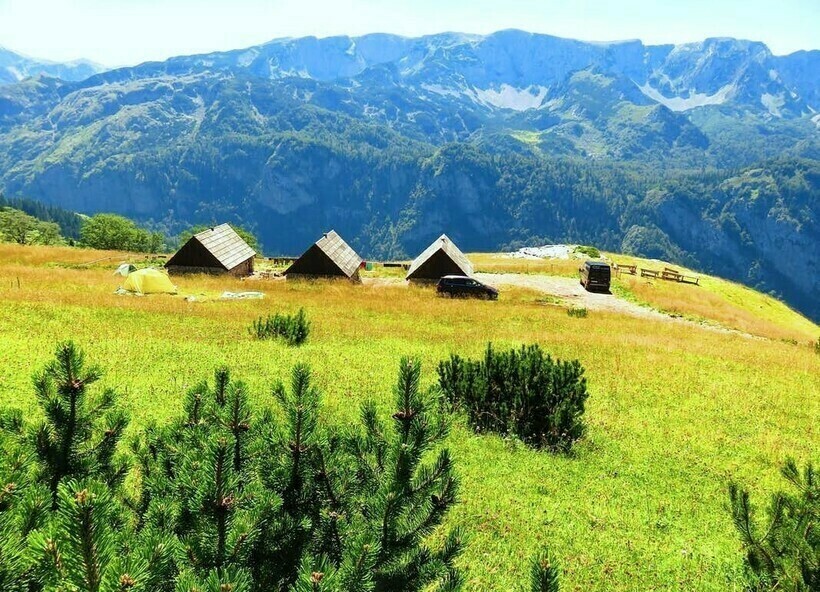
<point>675,410</point>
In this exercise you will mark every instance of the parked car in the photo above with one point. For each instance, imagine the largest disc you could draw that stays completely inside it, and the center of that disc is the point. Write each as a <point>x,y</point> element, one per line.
<point>461,285</point>
<point>595,275</point>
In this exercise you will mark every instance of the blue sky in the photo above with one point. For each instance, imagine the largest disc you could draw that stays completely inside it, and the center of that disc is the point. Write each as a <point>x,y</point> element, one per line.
<point>123,32</point>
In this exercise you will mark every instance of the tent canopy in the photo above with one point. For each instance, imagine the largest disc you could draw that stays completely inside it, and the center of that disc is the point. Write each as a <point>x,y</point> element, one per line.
<point>125,269</point>
<point>149,281</point>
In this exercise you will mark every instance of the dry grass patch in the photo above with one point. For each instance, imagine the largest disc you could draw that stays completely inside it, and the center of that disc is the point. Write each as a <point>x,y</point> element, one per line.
<point>721,301</point>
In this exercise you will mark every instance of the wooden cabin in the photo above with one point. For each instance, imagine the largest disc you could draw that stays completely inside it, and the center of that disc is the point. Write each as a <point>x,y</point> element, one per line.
<point>330,256</point>
<point>215,250</point>
<point>441,258</point>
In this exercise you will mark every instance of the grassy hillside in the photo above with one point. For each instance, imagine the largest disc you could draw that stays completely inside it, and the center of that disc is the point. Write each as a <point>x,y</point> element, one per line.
<point>674,412</point>
<point>713,301</point>
<point>719,301</point>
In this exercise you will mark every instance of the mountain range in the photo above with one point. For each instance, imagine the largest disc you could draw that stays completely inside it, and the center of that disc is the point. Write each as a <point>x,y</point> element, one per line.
<point>15,67</point>
<point>704,153</point>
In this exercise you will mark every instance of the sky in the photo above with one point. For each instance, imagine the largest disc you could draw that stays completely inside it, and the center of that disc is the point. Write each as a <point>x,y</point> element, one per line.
<point>127,32</point>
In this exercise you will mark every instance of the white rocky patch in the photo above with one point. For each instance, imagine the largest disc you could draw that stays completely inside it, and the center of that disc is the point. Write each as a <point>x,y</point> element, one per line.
<point>773,103</point>
<point>373,111</point>
<point>15,72</point>
<point>247,58</point>
<point>695,99</point>
<point>546,252</point>
<point>510,97</point>
<point>443,90</point>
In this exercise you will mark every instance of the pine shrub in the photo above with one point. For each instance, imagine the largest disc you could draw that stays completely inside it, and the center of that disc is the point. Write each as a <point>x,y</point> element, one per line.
<point>783,553</point>
<point>543,574</point>
<point>294,329</point>
<point>297,505</point>
<point>521,392</point>
<point>79,434</point>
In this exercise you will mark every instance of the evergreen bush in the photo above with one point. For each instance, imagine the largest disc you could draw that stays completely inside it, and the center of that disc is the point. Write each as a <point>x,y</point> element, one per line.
<point>225,496</point>
<point>294,329</point>
<point>521,392</point>
<point>784,552</point>
<point>580,313</point>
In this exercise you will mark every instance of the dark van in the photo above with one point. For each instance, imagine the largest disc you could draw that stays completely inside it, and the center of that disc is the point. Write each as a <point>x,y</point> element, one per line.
<point>595,275</point>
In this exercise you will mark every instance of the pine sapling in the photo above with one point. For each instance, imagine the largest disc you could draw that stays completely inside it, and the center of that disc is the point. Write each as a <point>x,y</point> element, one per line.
<point>78,437</point>
<point>543,574</point>
<point>783,553</point>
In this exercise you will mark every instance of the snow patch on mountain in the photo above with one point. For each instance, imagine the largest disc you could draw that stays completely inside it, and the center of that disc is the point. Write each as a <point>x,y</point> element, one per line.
<point>510,97</point>
<point>694,100</point>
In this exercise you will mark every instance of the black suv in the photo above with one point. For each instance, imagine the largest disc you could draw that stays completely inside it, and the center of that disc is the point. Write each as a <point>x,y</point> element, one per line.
<point>461,285</point>
<point>595,274</point>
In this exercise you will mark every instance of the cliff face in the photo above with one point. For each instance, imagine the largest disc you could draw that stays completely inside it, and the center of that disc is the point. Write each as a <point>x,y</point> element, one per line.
<point>766,231</point>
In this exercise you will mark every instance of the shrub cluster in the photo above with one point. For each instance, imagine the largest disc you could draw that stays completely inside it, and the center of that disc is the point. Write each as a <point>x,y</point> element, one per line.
<point>225,497</point>
<point>588,251</point>
<point>522,392</point>
<point>580,313</point>
<point>294,329</point>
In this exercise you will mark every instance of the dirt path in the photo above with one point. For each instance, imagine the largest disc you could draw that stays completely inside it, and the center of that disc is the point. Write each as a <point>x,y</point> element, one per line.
<point>572,292</point>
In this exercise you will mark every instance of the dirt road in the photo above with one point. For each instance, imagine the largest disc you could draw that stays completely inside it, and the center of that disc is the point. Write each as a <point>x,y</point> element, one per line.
<point>572,292</point>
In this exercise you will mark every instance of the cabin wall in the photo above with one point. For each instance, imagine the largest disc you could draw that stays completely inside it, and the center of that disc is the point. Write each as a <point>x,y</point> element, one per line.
<point>243,269</point>
<point>193,254</point>
<point>315,263</point>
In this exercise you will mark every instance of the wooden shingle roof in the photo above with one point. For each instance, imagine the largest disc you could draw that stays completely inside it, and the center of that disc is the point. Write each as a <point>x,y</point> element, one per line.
<point>226,245</point>
<point>447,247</point>
<point>339,252</point>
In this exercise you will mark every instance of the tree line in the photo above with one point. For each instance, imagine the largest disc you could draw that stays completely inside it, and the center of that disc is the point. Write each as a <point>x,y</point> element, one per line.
<point>27,222</point>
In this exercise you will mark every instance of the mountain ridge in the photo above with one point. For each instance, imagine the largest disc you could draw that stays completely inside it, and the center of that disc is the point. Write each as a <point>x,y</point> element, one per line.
<point>15,67</point>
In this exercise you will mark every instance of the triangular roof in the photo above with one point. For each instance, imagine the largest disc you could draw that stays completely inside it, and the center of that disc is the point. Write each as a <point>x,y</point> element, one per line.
<point>226,246</point>
<point>335,249</point>
<point>445,249</point>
